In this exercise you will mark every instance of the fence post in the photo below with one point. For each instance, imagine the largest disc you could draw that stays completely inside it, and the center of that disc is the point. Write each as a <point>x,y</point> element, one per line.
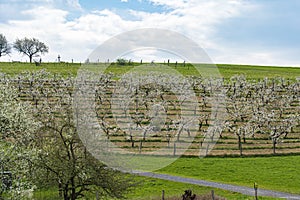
<point>213,195</point>
<point>163,195</point>
<point>255,190</point>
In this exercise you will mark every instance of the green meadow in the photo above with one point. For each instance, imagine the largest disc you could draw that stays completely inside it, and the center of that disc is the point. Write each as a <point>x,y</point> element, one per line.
<point>227,71</point>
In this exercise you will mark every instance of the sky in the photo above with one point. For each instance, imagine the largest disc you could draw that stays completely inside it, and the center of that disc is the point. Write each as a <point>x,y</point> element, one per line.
<point>257,32</point>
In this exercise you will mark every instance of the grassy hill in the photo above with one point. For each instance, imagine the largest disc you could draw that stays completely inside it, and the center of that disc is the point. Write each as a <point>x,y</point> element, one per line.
<point>227,71</point>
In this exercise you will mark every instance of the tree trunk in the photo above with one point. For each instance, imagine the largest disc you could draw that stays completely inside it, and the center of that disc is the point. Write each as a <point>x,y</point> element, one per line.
<point>30,58</point>
<point>73,190</point>
<point>140,147</point>
<point>274,145</point>
<point>66,191</point>
<point>174,151</point>
<point>200,126</point>
<point>131,139</point>
<point>206,150</point>
<point>60,189</point>
<point>240,145</point>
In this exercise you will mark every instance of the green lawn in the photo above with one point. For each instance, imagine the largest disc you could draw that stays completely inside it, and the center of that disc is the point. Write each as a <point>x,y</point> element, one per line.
<point>152,189</point>
<point>149,188</point>
<point>275,173</point>
<point>278,173</point>
<point>259,72</point>
<point>58,68</point>
<point>227,71</point>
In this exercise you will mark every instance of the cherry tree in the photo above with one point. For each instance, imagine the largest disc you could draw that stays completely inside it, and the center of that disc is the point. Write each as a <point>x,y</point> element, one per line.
<point>17,149</point>
<point>5,48</point>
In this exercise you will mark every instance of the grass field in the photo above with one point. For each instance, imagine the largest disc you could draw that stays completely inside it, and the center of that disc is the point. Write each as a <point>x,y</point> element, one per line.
<point>227,71</point>
<point>151,189</point>
<point>279,173</point>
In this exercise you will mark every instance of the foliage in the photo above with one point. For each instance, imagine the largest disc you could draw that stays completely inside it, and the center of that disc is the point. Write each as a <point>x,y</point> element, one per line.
<point>122,61</point>
<point>62,159</point>
<point>16,150</point>
<point>5,48</point>
<point>30,47</point>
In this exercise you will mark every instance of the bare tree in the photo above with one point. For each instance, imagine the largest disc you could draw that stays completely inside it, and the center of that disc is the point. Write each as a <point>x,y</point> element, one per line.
<point>5,48</point>
<point>30,47</point>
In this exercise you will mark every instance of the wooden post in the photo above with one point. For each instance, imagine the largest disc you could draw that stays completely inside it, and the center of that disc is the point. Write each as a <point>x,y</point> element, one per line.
<point>163,195</point>
<point>213,195</point>
<point>255,190</point>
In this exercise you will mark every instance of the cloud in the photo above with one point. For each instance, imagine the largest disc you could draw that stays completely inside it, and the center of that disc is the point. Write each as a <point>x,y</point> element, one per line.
<point>75,4</point>
<point>77,38</point>
<point>175,4</point>
<point>124,1</point>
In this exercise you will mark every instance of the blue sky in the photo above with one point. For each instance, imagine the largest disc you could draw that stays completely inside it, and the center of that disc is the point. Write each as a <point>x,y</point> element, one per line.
<point>261,32</point>
<point>119,5</point>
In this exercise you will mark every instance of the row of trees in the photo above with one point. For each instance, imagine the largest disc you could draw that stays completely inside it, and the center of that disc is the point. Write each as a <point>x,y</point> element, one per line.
<point>30,47</point>
<point>248,109</point>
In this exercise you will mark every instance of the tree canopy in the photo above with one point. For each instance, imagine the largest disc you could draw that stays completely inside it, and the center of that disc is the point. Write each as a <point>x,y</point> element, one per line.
<point>5,48</point>
<point>30,47</point>
<point>16,145</point>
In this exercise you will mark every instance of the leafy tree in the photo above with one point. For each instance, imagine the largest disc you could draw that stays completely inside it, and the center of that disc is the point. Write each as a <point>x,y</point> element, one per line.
<point>30,47</point>
<point>122,61</point>
<point>5,48</point>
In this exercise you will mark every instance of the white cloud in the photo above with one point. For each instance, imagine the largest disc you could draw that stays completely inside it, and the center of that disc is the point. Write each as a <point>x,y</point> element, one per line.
<point>195,18</point>
<point>75,39</point>
<point>74,4</point>
<point>175,4</point>
<point>125,1</point>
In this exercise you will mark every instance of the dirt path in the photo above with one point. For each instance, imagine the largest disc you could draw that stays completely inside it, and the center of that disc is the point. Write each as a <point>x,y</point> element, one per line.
<point>233,188</point>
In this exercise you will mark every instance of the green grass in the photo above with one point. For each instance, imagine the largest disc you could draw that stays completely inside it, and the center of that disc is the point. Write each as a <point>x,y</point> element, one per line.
<point>46,194</point>
<point>149,188</point>
<point>278,173</point>
<point>57,68</point>
<point>259,72</point>
<point>152,189</point>
<point>275,173</point>
<point>227,71</point>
